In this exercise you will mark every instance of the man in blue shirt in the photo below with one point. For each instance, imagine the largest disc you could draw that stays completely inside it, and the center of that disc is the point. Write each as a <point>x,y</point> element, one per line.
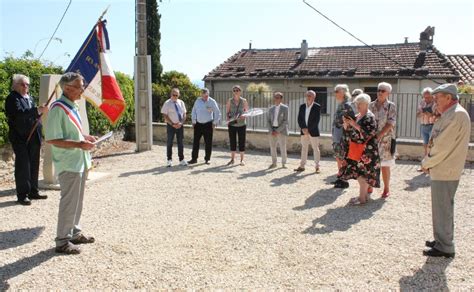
<point>205,116</point>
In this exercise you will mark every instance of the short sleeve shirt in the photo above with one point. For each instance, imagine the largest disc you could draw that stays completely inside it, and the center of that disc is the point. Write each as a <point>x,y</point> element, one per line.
<point>387,113</point>
<point>169,109</point>
<point>60,127</point>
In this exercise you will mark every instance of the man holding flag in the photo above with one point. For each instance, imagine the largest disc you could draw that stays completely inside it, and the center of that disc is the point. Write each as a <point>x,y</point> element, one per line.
<point>72,161</point>
<point>89,75</point>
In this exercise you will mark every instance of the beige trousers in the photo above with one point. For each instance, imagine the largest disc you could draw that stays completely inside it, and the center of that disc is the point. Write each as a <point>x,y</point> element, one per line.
<point>305,141</point>
<point>274,140</point>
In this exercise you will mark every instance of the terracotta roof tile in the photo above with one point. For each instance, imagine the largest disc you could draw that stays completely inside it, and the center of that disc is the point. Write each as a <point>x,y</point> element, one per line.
<point>336,62</point>
<point>464,66</point>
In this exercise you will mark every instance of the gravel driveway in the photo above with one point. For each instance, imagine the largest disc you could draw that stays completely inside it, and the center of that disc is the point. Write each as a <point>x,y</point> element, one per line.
<point>213,226</point>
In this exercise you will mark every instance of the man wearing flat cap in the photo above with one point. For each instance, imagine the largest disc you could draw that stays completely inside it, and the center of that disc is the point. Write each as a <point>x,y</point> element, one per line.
<point>448,148</point>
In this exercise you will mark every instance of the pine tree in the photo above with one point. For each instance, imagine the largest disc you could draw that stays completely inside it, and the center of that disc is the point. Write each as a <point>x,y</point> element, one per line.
<point>153,39</point>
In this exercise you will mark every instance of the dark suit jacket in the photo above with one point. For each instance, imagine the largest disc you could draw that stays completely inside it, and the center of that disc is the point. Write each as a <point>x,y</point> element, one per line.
<point>313,120</point>
<point>21,118</point>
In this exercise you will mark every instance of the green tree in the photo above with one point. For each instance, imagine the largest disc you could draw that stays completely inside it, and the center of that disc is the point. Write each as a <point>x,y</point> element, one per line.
<point>26,66</point>
<point>161,92</point>
<point>153,19</point>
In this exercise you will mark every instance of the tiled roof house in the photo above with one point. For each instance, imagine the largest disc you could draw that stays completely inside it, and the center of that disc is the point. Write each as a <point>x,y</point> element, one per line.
<point>408,66</point>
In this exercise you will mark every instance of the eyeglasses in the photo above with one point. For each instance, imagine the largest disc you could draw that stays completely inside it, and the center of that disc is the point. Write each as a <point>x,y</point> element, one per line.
<point>25,84</point>
<point>174,95</point>
<point>381,90</point>
<point>77,87</point>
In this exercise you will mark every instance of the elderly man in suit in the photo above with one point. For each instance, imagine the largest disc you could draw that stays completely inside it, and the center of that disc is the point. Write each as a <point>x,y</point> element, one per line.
<point>308,120</point>
<point>277,122</point>
<point>448,146</point>
<point>22,114</point>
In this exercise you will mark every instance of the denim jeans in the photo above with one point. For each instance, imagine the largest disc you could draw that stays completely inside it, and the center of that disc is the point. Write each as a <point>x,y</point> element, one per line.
<point>171,132</point>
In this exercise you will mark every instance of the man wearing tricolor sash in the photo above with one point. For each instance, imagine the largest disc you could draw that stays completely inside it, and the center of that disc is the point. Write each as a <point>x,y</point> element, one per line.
<point>72,161</point>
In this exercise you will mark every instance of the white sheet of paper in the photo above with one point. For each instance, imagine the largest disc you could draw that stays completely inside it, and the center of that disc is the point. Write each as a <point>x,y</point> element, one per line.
<point>104,137</point>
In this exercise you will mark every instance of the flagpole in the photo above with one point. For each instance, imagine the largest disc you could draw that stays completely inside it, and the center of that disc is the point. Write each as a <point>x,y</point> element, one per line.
<point>103,13</point>
<point>56,87</point>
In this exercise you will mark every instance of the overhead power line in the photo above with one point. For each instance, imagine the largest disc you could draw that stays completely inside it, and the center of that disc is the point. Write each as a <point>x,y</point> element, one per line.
<point>361,41</point>
<point>57,27</point>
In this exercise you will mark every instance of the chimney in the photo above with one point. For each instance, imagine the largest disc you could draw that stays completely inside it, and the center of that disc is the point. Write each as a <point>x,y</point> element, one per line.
<point>304,50</point>
<point>250,45</point>
<point>406,40</point>
<point>426,38</point>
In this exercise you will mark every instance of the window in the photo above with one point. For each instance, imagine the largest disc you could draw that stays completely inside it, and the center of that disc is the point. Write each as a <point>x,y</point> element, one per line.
<point>372,92</point>
<point>321,97</point>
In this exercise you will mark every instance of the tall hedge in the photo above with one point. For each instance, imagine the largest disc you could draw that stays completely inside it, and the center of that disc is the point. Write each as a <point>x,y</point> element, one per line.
<point>29,67</point>
<point>161,92</point>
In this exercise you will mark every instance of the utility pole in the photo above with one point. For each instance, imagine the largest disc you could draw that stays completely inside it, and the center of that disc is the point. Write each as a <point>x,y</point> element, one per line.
<point>143,115</point>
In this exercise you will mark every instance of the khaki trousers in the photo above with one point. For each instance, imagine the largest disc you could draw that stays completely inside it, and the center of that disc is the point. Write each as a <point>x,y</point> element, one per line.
<point>70,205</point>
<point>314,141</point>
<point>274,141</point>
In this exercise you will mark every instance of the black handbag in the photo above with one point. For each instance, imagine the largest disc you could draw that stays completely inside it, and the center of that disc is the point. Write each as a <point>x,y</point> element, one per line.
<point>393,141</point>
<point>393,146</point>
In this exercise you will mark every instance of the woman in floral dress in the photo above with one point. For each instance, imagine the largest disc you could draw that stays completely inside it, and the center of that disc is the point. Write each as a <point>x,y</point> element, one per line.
<point>340,140</point>
<point>362,130</point>
<point>385,113</point>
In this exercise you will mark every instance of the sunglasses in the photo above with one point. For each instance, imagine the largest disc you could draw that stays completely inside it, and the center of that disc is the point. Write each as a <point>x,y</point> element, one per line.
<point>174,95</point>
<point>236,90</point>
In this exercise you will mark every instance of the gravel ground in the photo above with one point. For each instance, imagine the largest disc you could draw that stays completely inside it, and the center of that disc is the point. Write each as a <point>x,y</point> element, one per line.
<point>212,226</point>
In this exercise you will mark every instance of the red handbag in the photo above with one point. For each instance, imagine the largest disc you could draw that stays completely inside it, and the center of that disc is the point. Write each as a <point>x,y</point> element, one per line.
<point>356,150</point>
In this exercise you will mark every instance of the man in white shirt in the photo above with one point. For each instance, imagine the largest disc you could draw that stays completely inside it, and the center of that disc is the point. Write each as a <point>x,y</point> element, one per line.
<point>174,113</point>
<point>308,120</point>
<point>277,123</point>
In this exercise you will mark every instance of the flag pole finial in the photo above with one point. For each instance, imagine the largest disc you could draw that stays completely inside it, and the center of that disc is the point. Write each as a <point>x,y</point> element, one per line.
<point>103,13</point>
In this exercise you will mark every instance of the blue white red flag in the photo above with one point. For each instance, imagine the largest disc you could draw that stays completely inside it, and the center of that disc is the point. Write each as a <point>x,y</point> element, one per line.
<point>93,63</point>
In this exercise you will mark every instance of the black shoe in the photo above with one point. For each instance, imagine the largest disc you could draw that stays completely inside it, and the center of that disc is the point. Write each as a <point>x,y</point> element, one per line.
<point>24,202</point>
<point>192,161</point>
<point>207,162</point>
<point>430,243</point>
<point>340,184</point>
<point>37,197</point>
<point>437,253</point>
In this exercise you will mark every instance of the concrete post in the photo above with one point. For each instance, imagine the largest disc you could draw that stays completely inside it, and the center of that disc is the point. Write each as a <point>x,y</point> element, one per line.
<point>143,114</point>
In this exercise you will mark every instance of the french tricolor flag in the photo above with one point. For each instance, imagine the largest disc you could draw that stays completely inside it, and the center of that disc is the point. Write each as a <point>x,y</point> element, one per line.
<point>93,63</point>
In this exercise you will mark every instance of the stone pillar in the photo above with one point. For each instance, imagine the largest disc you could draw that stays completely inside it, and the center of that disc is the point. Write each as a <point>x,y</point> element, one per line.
<point>143,110</point>
<point>47,86</point>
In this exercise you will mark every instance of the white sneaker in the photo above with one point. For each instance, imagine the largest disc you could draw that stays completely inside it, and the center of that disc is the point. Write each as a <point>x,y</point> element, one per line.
<point>183,163</point>
<point>169,163</point>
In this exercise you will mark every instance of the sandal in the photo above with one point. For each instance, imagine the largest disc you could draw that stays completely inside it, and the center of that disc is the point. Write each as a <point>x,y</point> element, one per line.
<point>68,248</point>
<point>82,239</point>
<point>356,202</point>
<point>230,162</point>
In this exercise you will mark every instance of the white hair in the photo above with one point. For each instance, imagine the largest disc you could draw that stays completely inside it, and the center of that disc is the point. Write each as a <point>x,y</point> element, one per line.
<point>362,98</point>
<point>427,89</point>
<point>385,86</point>
<point>69,77</point>
<point>357,91</point>
<point>345,89</point>
<point>17,78</point>
<point>311,92</point>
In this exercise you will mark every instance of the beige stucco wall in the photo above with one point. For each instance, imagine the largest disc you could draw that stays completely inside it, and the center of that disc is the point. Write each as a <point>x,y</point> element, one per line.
<point>258,140</point>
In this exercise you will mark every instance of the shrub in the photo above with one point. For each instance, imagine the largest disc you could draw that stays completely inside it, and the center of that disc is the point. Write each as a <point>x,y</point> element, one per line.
<point>161,92</point>
<point>29,67</point>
